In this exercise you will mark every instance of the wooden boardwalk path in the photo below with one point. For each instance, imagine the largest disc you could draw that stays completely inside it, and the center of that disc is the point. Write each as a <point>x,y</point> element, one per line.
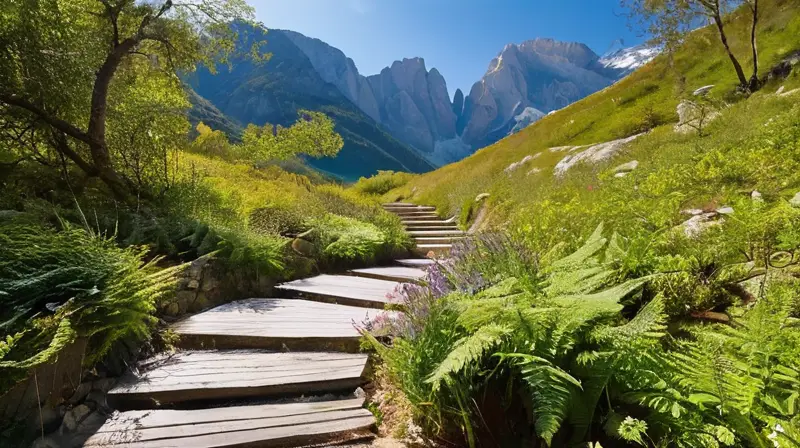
<point>236,360</point>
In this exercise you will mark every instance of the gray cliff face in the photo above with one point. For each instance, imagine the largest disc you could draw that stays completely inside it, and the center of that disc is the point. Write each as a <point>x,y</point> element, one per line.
<point>543,74</point>
<point>412,103</point>
<point>426,115</point>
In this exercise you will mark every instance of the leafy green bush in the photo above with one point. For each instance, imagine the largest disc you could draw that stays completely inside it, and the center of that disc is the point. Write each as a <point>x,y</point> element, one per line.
<point>56,286</point>
<point>347,240</point>
<point>382,182</point>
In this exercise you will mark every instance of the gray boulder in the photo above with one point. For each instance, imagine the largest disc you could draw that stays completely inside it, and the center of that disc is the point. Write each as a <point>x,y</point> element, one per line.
<point>795,201</point>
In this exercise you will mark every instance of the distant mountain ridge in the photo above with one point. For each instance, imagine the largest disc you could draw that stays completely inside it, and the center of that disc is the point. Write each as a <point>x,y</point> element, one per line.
<point>411,103</point>
<point>275,91</point>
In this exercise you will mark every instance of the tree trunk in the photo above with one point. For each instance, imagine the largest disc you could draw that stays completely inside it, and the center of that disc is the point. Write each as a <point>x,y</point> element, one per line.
<point>754,79</point>
<point>736,65</point>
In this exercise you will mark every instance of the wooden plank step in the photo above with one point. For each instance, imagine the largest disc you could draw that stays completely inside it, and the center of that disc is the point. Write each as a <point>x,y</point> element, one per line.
<point>437,239</point>
<point>392,273</point>
<point>412,229</point>
<point>399,204</point>
<point>420,218</point>
<point>428,223</point>
<point>415,262</point>
<point>419,209</point>
<point>436,232</point>
<point>275,324</point>
<point>437,249</point>
<point>236,374</point>
<point>269,425</point>
<point>342,289</point>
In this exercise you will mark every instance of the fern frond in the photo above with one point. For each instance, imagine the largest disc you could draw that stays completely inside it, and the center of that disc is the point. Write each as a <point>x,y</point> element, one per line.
<point>64,336</point>
<point>590,248</point>
<point>468,350</point>
<point>551,391</point>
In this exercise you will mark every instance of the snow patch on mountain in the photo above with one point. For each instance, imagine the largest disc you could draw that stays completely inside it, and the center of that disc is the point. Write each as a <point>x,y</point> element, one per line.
<point>627,60</point>
<point>526,118</point>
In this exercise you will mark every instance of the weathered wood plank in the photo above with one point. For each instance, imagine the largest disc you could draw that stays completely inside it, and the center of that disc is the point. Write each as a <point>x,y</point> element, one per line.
<point>426,223</point>
<point>342,289</point>
<point>276,324</point>
<point>437,232</point>
<point>437,239</point>
<point>392,273</point>
<point>190,376</point>
<point>415,262</point>
<point>273,425</point>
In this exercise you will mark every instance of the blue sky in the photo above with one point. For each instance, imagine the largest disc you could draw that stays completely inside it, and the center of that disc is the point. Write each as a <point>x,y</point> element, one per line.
<point>458,37</point>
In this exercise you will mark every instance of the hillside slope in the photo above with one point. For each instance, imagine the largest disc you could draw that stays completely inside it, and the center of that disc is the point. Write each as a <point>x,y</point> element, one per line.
<point>274,92</point>
<point>646,99</point>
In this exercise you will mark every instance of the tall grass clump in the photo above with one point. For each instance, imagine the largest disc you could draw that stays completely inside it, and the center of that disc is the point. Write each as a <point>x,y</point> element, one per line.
<point>382,183</point>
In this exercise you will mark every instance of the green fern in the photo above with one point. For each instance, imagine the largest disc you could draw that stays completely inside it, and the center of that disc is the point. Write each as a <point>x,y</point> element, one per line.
<point>468,351</point>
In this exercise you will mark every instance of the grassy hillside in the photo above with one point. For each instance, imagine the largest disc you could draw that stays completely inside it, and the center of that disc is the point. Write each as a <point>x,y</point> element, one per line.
<point>648,96</point>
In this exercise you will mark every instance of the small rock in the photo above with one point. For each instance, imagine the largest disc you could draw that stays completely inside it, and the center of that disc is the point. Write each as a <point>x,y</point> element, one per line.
<point>303,247</point>
<point>725,211</point>
<point>511,168</point>
<point>627,167</point>
<point>623,174</point>
<point>692,211</point>
<point>481,197</point>
<point>74,417</point>
<point>80,392</point>
<point>359,393</point>
<point>780,90</point>
<point>795,201</point>
<point>534,171</point>
<point>695,225</point>
<point>756,196</point>
<point>703,90</point>
<point>193,284</point>
<point>173,309</point>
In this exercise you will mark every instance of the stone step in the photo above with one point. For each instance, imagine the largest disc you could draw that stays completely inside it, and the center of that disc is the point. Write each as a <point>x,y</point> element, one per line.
<point>438,250</point>
<point>192,376</point>
<point>391,273</point>
<point>276,324</point>
<point>415,262</point>
<point>437,239</point>
<point>342,289</point>
<point>266,425</point>
<point>436,231</point>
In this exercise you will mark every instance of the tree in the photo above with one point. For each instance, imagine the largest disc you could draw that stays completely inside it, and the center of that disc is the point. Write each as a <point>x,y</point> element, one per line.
<point>72,71</point>
<point>753,5</point>
<point>670,20</point>
<point>313,134</point>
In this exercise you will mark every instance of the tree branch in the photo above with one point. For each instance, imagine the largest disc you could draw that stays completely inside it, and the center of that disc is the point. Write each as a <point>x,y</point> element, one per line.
<point>57,123</point>
<point>61,145</point>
